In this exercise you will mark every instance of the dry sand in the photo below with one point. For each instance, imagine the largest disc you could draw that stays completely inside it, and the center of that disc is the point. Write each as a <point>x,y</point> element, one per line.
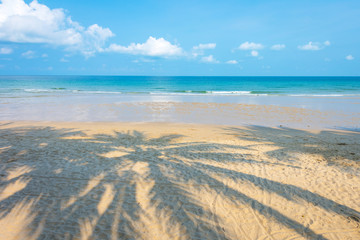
<point>177,181</point>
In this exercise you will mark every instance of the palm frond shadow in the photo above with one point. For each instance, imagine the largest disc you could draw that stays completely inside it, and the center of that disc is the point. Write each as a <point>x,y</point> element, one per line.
<point>325,143</point>
<point>118,183</point>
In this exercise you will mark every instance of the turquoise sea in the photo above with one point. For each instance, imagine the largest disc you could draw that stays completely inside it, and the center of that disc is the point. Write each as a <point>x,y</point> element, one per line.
<point>27,86</point>
<point>321,101</point>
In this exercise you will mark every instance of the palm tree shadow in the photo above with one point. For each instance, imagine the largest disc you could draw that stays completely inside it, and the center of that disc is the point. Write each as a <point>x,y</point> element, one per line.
<point>324,144</point>
<point>290,141</point>
<point>167,196</point>
<point>65,187</point>
<point>111,186</point>
<point>288,191</point>
<point>168,192</point>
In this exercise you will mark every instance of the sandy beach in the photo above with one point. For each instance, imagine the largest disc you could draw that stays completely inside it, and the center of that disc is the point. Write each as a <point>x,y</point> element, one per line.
<point>179,120</point>
<point>97,180</point>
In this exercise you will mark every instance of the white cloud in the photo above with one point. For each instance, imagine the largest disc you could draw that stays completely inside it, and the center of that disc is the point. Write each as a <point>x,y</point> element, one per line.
<point>5,50</point>
<point>44,55</point>
<point>232,62</point>
<point>202,46</point>
<point>37,23</point>
<point>145,60</point>
<point>195,54</point>
<point>314,46</point>
<point>349,57</point>
<point>254,53</point>
<point>199,49</point>
<point>29,54</point>
<point>251,46</point>
<point>94,39</point>
<point>209,59</point>
<point>310,47</point>
<point>152,47</point>
<point>278,47</point>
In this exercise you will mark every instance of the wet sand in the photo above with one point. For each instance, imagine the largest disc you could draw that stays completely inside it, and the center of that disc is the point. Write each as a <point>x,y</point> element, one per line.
<point>194,112</point>
<point>104,180</point>
<point>290,111</point>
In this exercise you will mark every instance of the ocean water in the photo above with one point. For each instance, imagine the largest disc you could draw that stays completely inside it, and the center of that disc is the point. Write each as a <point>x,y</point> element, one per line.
<point>27,86</point>
<point>323,101</point>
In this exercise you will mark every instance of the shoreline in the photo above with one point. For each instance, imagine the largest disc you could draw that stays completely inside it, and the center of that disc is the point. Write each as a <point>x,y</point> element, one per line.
<point>177,181</point>
<point>238,114</point>
<point>132,124</point>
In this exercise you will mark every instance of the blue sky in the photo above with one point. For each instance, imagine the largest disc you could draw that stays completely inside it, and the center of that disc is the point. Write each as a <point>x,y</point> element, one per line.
<point>144,37</point>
